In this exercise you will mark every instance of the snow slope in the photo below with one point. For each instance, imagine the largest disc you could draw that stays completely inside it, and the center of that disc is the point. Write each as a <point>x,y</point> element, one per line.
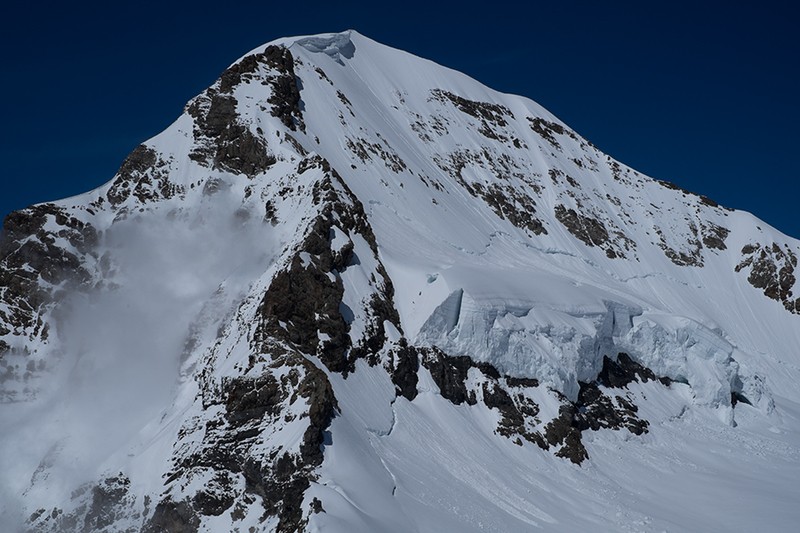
<point>353,290</point>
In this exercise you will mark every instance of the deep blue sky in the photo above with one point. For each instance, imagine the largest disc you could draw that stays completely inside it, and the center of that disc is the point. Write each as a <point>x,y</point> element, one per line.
<point>704,96</point>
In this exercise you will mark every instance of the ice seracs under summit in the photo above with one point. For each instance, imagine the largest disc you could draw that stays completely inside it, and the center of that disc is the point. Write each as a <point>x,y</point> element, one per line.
<point>351,290</point>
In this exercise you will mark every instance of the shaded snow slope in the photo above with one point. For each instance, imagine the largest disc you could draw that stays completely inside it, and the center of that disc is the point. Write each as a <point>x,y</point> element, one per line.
<point>352,290</point>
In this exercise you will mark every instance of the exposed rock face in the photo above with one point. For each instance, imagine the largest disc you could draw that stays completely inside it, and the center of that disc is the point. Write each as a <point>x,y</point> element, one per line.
<point>143,175</point>
<point>366,150</point>
<point>772,269</point>
<point>519,412</point>
<point>307,298</point>
<point>450,374</point>
<point>561,431</point>
<point>103,507</point>
<point>690,254</point>
<point>285,97</point>
<point>597,410</point>
<point>617,374</point>
<point>309,293</point>
<point>515,204</point>
<point>44,251</point>
<point>587,229</point>
<point>514,398</point>
<point>702,198</point>
<point>223,140</point>
<point>508,204</point>
<point>491,116</point>
<point>592,232</point>
<point>548,130</point>
<point>231,454</point>
<point>403,366</point>
<point>29,250</point>
<point>714,236</point>
<point>707,233</point>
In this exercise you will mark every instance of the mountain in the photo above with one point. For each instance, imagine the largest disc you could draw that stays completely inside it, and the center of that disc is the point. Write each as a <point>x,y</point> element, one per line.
<point>349,289</point>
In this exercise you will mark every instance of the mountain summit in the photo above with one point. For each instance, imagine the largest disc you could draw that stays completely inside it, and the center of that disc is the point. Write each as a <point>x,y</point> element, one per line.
<point>349,289</point>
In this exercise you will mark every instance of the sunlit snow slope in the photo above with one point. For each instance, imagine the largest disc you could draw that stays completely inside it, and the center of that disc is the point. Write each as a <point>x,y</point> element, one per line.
<point>352,290</point>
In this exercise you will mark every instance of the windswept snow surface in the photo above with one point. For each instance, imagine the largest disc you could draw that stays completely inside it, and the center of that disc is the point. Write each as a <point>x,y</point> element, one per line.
<point>507,238</point>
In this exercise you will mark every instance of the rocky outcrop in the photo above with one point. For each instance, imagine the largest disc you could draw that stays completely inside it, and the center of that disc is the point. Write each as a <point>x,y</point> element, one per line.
<point>308,294</point>
<point>239,466</point>
<point>43,251</point>
<point>509,202</point>
<point>223,140</point>
<point>592,232</point>
<point>303,304</point>
<point>772,269</point>
<point>598,405</point>
<point>107,507</point>
<point>714,236</point>
<point>589,230</point>
<point>619,373</point>
<point>365,151</point>
<point>143,175</point>
<point>548,130</point>
<point>285,97</point>
<point>403,366</point>
<point>492,117</point>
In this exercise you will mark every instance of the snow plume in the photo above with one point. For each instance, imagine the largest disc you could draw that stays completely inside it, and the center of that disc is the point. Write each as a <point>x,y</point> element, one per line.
<point>123,343</point>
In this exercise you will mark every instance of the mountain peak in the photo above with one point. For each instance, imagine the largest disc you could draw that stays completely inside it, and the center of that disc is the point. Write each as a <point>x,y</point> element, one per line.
<point>379,295</point>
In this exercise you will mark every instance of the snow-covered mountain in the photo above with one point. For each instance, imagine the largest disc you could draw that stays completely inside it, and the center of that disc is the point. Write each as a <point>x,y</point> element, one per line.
<point>349,289</point>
